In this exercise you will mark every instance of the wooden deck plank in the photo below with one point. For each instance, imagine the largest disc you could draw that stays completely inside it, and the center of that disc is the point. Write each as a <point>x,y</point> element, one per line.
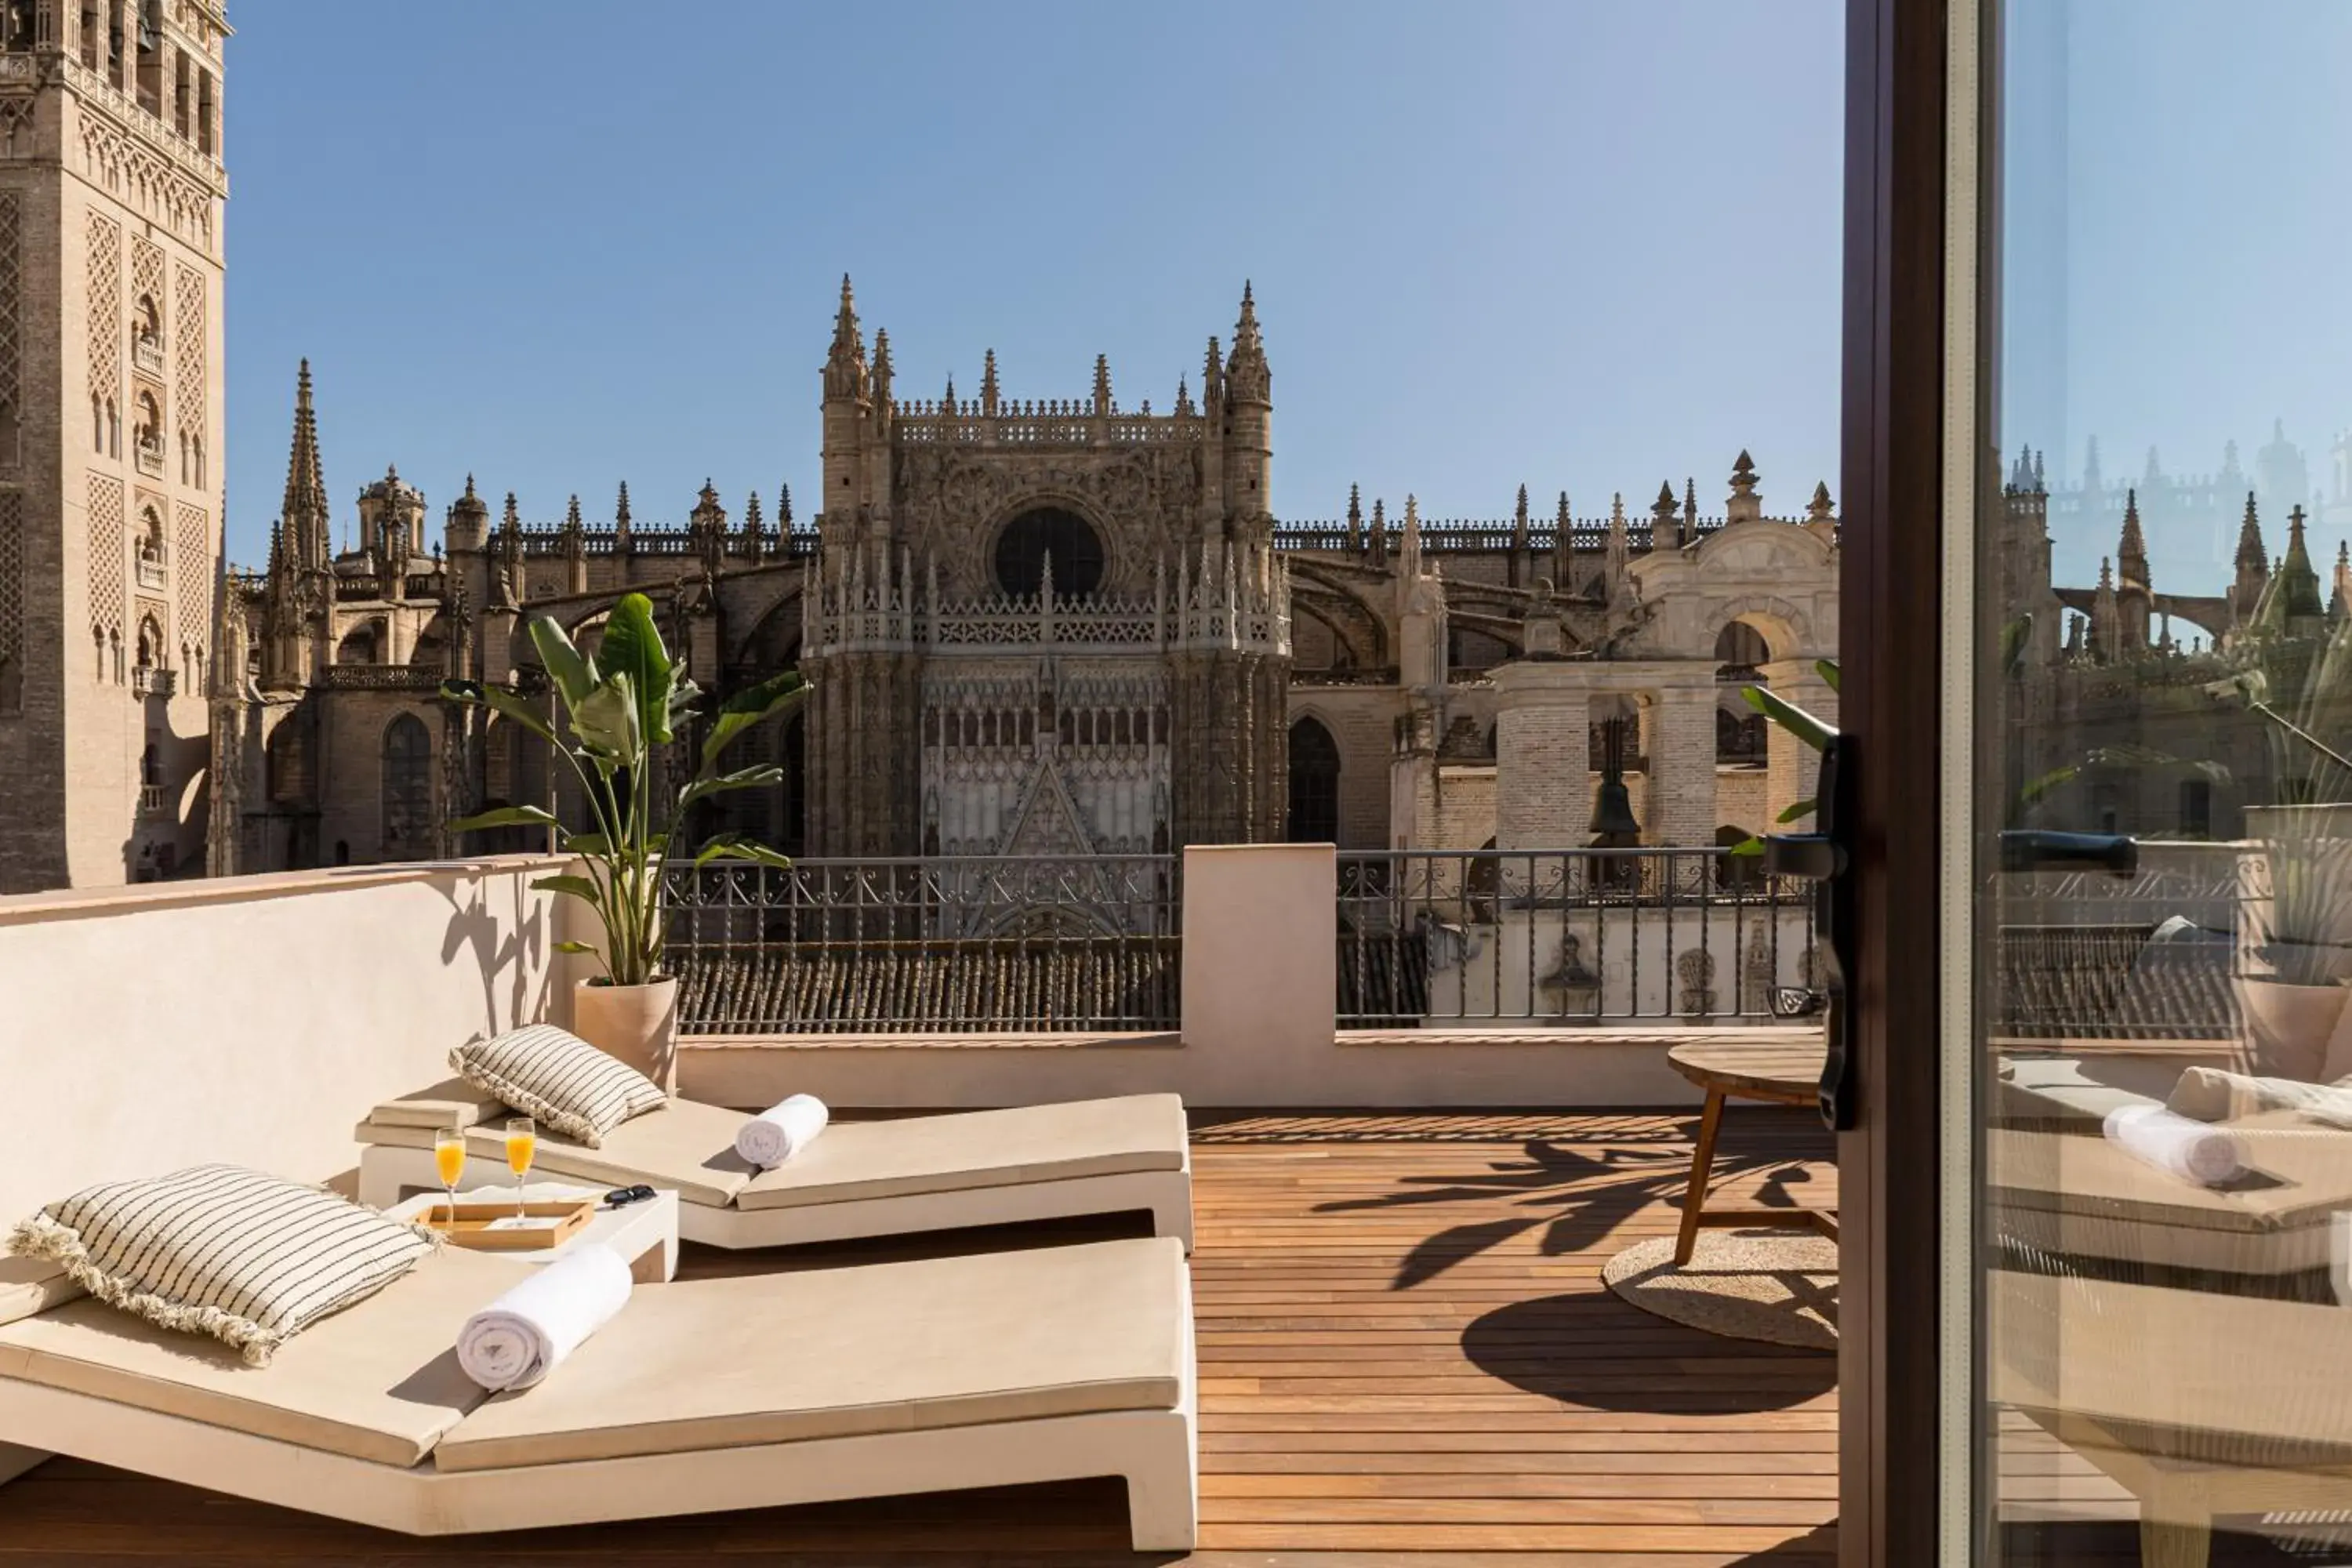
<point>1406,1353</point>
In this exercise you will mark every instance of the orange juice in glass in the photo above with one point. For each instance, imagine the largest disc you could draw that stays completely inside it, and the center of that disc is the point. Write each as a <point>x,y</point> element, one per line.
<point>449,1162</point>
<point>522,1143</point>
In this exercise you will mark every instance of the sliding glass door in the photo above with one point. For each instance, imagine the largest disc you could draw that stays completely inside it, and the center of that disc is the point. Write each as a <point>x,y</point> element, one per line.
<point>2146,1051</point>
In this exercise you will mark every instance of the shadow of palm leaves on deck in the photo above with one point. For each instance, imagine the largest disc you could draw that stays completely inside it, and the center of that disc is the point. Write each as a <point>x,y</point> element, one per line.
<point>1580,1191</point>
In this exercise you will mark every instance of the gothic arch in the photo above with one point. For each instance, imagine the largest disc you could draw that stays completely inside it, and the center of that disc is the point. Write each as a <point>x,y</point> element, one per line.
<point>772,630</point>
<point>1314,815</point>
<point>408,827</point>
<point>1788,631</point>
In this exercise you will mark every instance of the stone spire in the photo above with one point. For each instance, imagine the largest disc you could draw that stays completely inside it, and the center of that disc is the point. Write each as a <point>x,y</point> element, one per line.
<point>1744,505</point>
<point>1520,522</point>
<point>1409,553</point>
<point>1613,560</point>
<point>2339,603</point>
<point>2296,586</point>
<point>783,508</point>
<point>1690,510</point>
<point>989,391</point>
<point>304,510</point>
<point>2104,618</point>
<point>1247,379</point>
<point>1102,384</point>
<point>2131,551</point>
<point>2254,566</point>
<point>1563,546</point>
<point>1355,518</point>
<point>1184,395</point>
<point>881,380</point>
<point>846,373</point>
<point>620,519</point>
<point>1380,533</point>
<point>1213,374</point>
<point>753,526</point>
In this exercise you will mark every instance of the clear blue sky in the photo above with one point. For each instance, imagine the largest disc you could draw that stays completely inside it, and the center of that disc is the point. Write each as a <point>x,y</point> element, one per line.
<point>2176,261</point>
<point>558,244</point>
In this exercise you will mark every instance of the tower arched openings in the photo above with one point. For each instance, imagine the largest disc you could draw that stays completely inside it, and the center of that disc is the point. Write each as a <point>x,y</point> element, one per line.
<point>1314,784</point>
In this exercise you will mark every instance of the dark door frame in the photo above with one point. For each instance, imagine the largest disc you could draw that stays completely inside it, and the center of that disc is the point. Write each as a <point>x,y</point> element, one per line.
<point>1890,1166</point>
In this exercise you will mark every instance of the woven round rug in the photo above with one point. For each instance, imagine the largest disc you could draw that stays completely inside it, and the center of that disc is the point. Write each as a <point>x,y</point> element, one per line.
<point>1777,1286</point>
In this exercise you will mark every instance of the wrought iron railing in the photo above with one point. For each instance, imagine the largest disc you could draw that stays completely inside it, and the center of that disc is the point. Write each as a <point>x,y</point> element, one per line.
<point>1566,936</point>
<point>951,945</point>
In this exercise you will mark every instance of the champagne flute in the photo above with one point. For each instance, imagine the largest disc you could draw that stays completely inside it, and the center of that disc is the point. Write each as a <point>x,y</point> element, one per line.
<point>449,1161</point>
<point>522,1143</point>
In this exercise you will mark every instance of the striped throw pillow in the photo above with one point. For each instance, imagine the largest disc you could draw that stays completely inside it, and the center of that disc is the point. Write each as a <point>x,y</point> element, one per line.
<point>250,1259</point>
<point>557,1078</point>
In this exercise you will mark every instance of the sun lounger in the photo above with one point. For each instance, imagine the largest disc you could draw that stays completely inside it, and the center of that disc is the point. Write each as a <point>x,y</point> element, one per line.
<point>883,1380</point>
<point>868,1178</point>
<point>2082,1196</point>
<point>2200,1405</point>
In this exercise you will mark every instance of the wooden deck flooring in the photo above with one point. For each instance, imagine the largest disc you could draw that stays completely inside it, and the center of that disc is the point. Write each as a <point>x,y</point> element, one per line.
<point>1406,1353</point>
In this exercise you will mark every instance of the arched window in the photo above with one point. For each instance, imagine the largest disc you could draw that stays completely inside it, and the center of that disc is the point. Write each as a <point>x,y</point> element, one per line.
<point>151,535</point>
<point>1314,784</point>
<point>113,431</point>
<point>1740,649</point>
<point>407,789</point>
<point>151,643</point>
<point>147,426</point>
<point>1027,542</point>
<point>146,328</point>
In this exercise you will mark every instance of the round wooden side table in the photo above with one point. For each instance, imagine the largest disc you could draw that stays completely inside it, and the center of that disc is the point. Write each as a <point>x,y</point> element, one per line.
<point>1786,1074</point>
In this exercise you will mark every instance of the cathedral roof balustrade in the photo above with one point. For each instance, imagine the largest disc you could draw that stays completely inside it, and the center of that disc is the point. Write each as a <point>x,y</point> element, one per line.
<point>544,541</point>
<point>380,678</point>
<point>1051,423</point>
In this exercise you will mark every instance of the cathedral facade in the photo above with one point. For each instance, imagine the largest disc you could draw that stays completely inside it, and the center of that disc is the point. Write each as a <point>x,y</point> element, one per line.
<point>1035,628</point>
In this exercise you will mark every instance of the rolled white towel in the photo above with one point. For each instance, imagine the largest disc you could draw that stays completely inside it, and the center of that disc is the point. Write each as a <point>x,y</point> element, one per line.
<point>2193,1150</point>
<point>526,1333</point>
<point>781,1131</point>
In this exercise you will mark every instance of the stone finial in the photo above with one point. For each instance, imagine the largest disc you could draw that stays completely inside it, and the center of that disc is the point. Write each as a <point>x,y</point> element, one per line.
<point>989,390</point>
<point>1745,505</point>
<point>620,509</point>
<point>2040,483</point>
<point>1212,371</point>
<point>783,508</point>
<point>752,522</point>
<point>1246,376</point>
<point>1102,384</point>
<point>882,367</point>
<point>1817,509</point>
<point>572,515</point>
<point>1355,518</point>
<point>1690,508</point>
<point>1380,537</point>
<point>1184,395</point>
<point>947,403</point>
<point>1519,520</point>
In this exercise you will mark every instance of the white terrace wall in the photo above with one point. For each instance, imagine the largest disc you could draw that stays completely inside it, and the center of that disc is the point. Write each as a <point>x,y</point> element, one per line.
<point>1261,926</point>
<point>251,1019</point>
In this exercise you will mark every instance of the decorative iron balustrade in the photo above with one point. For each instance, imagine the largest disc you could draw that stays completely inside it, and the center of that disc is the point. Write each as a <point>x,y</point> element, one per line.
<point>939,944</point>
<point>381,677</point>
<point>1566,936</point>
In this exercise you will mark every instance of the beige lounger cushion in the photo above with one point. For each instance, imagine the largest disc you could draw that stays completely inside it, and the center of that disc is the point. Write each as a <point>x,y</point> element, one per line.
<point>892,1347</point>
<point>379,1382</point>
<point>1062,1143</point>
<point>452,1102</point>
<point>30,1285</point>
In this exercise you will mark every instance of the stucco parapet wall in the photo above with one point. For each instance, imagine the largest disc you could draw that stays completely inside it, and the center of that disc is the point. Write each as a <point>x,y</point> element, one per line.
<point>1002,1041</point>
<point>84,903</point>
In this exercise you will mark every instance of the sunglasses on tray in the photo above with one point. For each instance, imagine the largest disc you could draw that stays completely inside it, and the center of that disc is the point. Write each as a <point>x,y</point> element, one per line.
<point>620,1197</point>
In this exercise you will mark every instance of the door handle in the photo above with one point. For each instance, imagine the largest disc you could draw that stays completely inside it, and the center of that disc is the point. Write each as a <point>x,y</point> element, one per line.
<point>1824,857</point>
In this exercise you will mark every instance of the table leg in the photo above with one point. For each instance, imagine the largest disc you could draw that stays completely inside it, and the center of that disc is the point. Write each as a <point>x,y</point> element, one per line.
<point>1710,1122</point>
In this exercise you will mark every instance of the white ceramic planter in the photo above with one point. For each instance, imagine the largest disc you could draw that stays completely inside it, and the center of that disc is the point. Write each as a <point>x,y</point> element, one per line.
<point>637,1024</point>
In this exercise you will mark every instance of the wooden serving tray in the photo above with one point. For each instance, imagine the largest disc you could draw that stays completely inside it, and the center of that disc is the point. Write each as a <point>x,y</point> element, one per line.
<point>472,1224</point>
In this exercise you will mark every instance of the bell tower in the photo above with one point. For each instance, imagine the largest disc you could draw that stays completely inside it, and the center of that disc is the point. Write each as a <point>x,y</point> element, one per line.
<point>111,187</point>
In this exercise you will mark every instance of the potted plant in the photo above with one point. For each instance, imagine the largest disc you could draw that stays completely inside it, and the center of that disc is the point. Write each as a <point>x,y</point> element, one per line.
<point>622,702</point>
